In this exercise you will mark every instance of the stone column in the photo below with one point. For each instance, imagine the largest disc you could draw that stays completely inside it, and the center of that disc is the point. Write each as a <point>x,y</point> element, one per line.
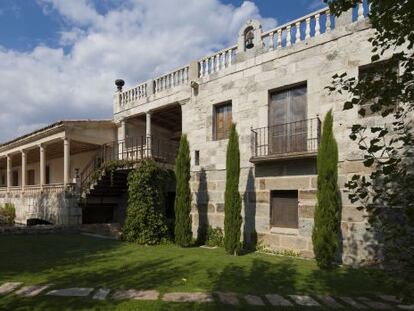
<point>148,133</point>
<point>66,162</point>
<point>344,19</point>
<point>24,169</point>
<point>42,167</point>
<point>8,172</point>
<point>121,139</point>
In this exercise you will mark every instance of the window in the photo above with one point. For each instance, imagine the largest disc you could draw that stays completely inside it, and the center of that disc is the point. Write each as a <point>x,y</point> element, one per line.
<point>30,177</point>
<point>15,178</point>
<point>47,175</point>
<point>3,180</point>
<point>284,209</point>
<point>288,128</point>
<point>197,157</point>
<point>375,73</point>
<point>222,121</point>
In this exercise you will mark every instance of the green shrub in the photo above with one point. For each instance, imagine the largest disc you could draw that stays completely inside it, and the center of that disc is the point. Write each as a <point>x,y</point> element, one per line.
<point>145,222</point>
<point>327,216</point>
<point>215,237</point>
<point>232,199</point>
<point>7,214</point>
<point>182,207</point>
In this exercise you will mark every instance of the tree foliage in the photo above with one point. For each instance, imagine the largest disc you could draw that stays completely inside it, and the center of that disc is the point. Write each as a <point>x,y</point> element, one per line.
<point>183,233</point>
<point>386,194</point>
<point>145,222</point>
<point>327,217</point>
<point>232,199</point>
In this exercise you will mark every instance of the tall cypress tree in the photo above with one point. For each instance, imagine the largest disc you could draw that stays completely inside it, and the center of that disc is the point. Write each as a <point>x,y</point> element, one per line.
<point>327,216</point>
<point>232,203</point>
<point>182,207</point>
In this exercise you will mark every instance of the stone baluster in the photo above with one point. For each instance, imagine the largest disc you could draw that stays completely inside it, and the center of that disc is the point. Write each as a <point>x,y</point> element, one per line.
<point>361,11</point>
<point>307,32</point>
<point>317,25</point>
<point>297,25</point>
<point>279,38</point>
<point>289,35</point>
<point>218,62</point>
<point>328,21</point>
<point>230,57</point>
<point>271,41</point>
<point>223,59</point>
<point>201,68</point>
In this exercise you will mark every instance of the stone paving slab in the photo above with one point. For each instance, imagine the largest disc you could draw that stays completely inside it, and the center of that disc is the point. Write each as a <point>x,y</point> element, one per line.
<point>304,300</point>
<point>406,307</point>
<point>71,292</point>
<point>377,305</point>
<point>254,300</point>
<point>277,300</point>
<point>389,298</point>
<point>32,290</point>
<point>330,302</point>
<point>228,298</point>
<point>136,294</point>
<point>9,287</point>
<point>188,297</point>
<point>101,294</point>
<point>353,303</point>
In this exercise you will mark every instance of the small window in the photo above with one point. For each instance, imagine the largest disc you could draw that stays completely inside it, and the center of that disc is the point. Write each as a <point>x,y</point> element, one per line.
<point>222,120</point>
<point>284,209</point>
<point>47,175</point>
<point>375,72</point>
<point>197,157</point>
<point>30,177</point>
<point>15,178</point>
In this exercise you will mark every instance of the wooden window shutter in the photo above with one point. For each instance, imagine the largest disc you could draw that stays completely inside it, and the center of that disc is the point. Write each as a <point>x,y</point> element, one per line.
<point>284,209</point>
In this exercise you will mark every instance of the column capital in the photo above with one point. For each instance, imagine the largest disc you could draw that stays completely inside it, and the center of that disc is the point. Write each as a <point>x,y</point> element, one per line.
<point>148,112</point>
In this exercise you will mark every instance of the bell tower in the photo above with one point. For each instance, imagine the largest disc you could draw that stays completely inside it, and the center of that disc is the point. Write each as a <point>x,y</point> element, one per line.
<point>250,41</point>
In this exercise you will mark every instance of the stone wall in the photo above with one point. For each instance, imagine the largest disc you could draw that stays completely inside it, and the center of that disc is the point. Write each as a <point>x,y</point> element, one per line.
<point>247,84</point>
<point>54,205</point>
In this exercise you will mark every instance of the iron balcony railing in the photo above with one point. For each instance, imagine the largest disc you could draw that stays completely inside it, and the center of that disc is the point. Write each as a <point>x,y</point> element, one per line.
<point>128,151</point>
<point>298,137</point>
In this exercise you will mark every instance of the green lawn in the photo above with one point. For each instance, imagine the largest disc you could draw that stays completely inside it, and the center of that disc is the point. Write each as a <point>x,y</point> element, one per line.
<point>81,261</point>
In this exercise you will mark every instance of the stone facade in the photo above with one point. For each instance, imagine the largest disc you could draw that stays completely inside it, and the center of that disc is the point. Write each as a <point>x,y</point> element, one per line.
<point>53,204</point>
<point>246,80</point>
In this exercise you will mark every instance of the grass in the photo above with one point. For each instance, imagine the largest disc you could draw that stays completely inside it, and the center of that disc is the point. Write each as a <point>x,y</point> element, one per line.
<point>81,261</point>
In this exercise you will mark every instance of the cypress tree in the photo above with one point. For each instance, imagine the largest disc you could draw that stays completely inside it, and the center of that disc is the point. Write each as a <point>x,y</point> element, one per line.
<point>327,216</point>
<point>232,201</point>
<point>182,207</point>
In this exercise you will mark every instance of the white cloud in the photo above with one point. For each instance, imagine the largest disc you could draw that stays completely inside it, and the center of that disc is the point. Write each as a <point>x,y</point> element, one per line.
<point>134,41</point>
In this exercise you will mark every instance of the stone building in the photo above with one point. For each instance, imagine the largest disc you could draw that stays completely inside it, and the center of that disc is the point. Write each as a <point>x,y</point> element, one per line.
<point>272,85</point>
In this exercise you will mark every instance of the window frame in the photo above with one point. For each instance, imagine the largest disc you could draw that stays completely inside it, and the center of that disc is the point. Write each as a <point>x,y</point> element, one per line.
<point>215,120</point>
<point>366,69</point>
<point>293,195</point>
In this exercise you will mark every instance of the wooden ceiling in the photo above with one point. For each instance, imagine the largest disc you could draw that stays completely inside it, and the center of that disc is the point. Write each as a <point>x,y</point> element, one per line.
<point>168,117</point>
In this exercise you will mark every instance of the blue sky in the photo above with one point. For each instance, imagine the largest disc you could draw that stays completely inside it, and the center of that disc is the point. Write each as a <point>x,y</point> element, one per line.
<point>59,58</point>
<point>24,24</point>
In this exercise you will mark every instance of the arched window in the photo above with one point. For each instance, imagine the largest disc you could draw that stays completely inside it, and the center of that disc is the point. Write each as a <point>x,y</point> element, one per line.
<point>248,38</point>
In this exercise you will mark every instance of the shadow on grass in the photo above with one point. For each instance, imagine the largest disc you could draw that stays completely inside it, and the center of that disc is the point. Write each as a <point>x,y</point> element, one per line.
<point>77,261</point>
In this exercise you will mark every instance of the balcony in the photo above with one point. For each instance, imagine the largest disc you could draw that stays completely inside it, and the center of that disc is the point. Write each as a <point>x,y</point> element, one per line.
<point>294,140</point>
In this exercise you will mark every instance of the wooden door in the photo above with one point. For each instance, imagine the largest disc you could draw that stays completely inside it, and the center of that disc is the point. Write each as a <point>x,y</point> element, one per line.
<point>287,121</point>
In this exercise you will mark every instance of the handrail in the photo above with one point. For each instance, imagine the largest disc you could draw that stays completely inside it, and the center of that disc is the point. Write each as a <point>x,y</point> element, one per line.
<point>128,151</point>
<point>302,136</point>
